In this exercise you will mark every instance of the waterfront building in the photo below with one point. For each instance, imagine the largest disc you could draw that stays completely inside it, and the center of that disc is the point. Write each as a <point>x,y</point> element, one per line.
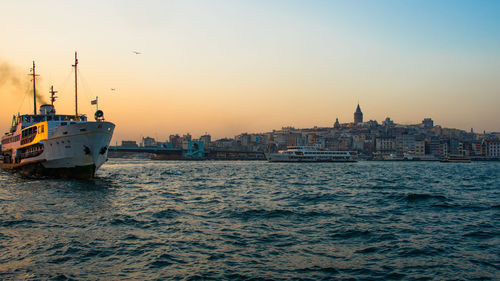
<point>476,148</point>
<point>148,142</point>
<point>454,146</point>
<point>206,139</point>
<point>428,123</point>
<point>244,139</point>
<point>434,146</point>
<point>175,140</point>
<point>405,143</point>
<point>226,143</point>
<point>358,142</point>
<point>419,146</point>
<point>385,145</point>
<point>358,115</point>
<point>186,137</point>
<point>443,149</point>
<point>129,143</point>
<point>294,139</point>
<point>345,143</point>
<point>491,148</point>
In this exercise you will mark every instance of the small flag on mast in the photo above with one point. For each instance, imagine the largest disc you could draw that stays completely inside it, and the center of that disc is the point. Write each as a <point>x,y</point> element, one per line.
<point>93,102</point>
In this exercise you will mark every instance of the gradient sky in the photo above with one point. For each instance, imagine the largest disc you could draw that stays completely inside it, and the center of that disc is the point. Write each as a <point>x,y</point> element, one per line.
<point>227,67</point>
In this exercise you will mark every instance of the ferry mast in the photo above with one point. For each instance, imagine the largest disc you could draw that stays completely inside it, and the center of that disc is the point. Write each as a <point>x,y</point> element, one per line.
<point>33,74</point>
<point>76,88</point>
<point>52,96</point>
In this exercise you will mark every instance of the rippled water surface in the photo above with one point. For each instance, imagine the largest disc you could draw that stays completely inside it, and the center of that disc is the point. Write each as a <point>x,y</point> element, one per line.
<point>144,220</point>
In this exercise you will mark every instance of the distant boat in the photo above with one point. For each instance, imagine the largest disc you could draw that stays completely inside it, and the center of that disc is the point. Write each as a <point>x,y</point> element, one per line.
<point>456,159</point>
<point>54,145</point>
<point>309,154</point>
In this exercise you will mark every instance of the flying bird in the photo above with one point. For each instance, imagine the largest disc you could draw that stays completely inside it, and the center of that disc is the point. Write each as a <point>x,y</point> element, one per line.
<point>112,89</point>
<point>136,52</point>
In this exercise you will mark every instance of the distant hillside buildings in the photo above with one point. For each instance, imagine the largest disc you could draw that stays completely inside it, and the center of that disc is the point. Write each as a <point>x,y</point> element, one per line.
<point>370,140</point>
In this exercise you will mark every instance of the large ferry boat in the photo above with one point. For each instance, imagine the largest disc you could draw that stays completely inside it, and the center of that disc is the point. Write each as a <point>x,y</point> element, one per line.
<point>456,159</point>
<point>309,154</point>
<point>54,145</point>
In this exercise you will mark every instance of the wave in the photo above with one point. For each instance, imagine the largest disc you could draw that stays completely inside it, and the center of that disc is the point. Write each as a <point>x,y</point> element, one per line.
<point>127,220</point>
<point>274,214</point>
<point>7,223</point>
<point>166,214</point>
<point>367,250</point>
<point>165,260</point>
<point>326,269</point>
<point>351,233</point>
<point>421,251</point>
<point>413,197</point>
<point>317,197</point>
<point>481,234</point>
<point>261,213</point>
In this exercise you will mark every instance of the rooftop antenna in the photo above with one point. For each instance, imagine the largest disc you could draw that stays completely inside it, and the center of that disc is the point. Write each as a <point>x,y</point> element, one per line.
<point>76,88</point>
<point>33,74</point>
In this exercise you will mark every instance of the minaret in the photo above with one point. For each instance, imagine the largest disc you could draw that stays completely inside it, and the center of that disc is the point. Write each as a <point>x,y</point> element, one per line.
<point>358,115</point>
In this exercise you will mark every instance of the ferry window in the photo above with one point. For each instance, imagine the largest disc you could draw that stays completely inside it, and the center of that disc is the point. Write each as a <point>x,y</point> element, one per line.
<point>42,128</point>
<point>49,118</point>
<point>56,118</point>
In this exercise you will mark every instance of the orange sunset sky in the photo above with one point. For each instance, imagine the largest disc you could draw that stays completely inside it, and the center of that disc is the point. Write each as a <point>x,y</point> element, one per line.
<point>228,67</point>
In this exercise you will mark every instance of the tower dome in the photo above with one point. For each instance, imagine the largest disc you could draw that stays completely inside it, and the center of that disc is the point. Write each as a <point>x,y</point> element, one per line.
<point>337,124</point>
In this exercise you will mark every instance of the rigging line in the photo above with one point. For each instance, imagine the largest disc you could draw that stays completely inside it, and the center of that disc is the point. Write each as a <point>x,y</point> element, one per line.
<point>85,85</point>
<point>66,81</point>
<point>22,102</point>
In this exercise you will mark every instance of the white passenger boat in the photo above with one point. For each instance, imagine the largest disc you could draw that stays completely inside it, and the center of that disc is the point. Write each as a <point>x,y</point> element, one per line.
<point>309,154</point>
<point>53,145</point>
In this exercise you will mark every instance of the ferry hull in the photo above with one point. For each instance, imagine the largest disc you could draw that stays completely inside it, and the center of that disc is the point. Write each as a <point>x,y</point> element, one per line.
<point>38,170</point>
<point>309,161</point>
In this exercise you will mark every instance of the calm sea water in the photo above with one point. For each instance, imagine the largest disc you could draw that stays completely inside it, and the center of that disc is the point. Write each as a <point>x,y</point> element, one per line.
<point>143,220</point>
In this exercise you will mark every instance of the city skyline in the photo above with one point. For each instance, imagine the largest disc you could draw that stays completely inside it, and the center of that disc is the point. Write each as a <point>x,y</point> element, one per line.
<point>229,67</point>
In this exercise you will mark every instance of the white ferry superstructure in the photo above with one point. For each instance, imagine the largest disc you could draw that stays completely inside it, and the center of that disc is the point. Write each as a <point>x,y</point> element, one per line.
<point>54,145</point>
<point>309,154</point>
